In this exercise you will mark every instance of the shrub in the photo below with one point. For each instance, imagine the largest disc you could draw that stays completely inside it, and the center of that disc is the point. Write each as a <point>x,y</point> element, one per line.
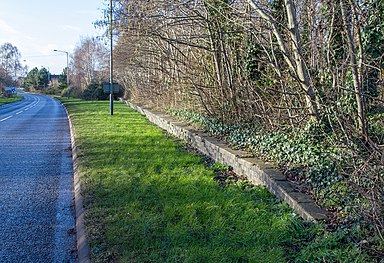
<point>94,92</point>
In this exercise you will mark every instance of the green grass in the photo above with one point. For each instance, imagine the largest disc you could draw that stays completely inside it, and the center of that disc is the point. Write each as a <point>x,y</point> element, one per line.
<point>150,200</point>
<point>13,98</point>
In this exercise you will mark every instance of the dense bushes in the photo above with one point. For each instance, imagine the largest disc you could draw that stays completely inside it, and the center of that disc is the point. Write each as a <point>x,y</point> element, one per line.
<point>94,92</point>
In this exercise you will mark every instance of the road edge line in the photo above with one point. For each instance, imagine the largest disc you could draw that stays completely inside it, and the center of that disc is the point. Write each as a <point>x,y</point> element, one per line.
<point>83,249</point>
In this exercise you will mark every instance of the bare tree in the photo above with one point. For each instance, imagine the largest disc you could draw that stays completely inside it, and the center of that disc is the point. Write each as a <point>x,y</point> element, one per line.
<point>89,63</point>
<point>291,50</point>
<point>352,26</point>
<point>10,65</point>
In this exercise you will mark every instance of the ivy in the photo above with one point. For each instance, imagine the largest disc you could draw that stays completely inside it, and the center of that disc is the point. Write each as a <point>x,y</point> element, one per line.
<point>314,157</point>
<point>294,148</point>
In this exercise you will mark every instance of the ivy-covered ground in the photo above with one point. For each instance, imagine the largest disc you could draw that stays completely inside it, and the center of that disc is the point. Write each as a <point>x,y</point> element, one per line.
<point>342,178</point>
<point>150,199</point>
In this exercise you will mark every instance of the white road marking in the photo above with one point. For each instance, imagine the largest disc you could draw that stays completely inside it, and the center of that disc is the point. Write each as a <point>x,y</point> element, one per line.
<point>6,118</point>
<point>30,106</point>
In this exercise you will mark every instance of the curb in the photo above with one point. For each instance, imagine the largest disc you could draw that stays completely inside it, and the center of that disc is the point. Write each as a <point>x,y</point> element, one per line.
<point>243,163</point>
<point>83,250</point>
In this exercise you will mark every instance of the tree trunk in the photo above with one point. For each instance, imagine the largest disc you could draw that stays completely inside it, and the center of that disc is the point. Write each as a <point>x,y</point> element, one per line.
<point>357,80</point>
<point>295,62</point>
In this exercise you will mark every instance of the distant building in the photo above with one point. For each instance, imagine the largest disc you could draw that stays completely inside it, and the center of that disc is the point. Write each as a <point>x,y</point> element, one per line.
<point>9,91</point>
<point>54,80</point>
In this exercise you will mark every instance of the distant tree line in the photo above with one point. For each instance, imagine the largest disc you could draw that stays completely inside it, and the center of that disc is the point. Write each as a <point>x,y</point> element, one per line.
<point>37,79</point>
<point>88,70</point>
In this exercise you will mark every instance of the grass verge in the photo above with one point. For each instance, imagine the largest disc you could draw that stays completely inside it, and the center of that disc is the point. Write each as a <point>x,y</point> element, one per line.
<point>148,199</point>
<point>13,98</point>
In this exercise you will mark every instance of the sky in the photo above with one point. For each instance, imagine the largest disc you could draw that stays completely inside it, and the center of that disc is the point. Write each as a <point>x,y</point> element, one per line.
<point>37,27</point>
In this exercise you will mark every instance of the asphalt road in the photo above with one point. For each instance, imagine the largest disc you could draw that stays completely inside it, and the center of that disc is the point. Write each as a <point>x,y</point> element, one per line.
<point>36,180</point>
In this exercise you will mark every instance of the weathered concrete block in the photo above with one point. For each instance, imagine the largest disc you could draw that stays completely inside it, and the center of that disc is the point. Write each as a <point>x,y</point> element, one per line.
<point>242,162</point>
<point>275,174</point>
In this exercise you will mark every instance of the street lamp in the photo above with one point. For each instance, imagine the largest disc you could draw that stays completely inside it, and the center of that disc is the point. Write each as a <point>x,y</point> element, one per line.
<point>111,59</point>
<point>67,53</point>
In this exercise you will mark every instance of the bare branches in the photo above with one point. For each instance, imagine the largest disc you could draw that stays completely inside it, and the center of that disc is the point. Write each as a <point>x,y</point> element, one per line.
<point>286,55</point>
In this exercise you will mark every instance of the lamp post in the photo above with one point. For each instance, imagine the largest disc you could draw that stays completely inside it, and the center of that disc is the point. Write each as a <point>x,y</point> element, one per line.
<point>111,61</point>
<point>67,53</point>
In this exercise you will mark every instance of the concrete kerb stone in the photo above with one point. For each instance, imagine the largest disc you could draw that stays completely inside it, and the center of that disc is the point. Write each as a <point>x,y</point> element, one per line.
<point>83,250</point>
<point>257,171</point>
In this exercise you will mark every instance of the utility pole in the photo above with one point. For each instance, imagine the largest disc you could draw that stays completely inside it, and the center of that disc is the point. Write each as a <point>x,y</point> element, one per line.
<point>67,53</point>
<point>111,62</point>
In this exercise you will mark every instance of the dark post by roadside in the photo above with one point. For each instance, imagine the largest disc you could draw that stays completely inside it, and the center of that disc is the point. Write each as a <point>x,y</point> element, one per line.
<point>111,62</point>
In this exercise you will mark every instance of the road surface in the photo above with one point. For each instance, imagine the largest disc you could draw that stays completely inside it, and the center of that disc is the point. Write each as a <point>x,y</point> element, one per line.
<point>36,201</point>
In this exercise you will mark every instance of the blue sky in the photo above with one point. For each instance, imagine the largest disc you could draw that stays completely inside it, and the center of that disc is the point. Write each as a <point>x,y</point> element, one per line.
<point>37,27</point>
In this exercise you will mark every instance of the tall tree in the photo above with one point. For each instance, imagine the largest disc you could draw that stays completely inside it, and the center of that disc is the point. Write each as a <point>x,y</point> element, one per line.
<point>89,62</point>
<point>37,79</point>
<point>9,64</point>
<point>291,48</point>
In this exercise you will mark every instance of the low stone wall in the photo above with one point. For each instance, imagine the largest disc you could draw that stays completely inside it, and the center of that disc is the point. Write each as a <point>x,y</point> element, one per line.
<point>257,171</point>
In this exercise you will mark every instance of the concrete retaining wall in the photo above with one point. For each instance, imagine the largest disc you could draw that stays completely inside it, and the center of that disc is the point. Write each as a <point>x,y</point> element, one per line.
<point>257,171</point>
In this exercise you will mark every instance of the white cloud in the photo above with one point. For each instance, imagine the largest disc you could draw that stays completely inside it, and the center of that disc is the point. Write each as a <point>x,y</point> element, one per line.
<point>7,29</point>
<point>70,28</point>
<point>86,12</point>
<point>11,35</point>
